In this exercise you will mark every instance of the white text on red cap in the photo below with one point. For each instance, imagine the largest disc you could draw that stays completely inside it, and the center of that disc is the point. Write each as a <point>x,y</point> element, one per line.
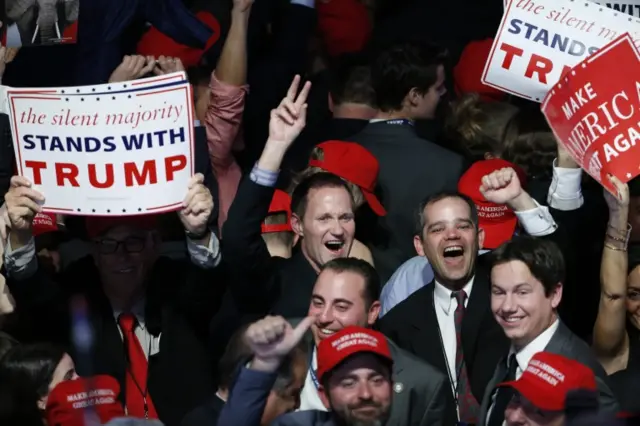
<point>545,372</point>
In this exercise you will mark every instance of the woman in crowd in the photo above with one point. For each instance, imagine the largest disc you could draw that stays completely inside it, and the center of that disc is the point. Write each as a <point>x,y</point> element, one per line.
<point>27,374</point>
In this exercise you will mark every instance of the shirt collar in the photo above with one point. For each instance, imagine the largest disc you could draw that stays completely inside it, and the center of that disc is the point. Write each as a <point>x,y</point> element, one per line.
<point>443,295</point>
<point>137,309</point>
<point>538,344</point>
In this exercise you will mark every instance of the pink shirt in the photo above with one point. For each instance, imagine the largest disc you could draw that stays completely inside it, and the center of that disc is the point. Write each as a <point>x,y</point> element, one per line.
<point>222,123</point>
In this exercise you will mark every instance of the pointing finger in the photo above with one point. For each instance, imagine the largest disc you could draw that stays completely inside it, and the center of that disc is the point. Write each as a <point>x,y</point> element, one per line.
<point>302,97</point>
<point>293,89</point>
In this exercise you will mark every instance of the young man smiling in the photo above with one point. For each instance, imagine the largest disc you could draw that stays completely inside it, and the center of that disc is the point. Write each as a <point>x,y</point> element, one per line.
<point>526,289</point>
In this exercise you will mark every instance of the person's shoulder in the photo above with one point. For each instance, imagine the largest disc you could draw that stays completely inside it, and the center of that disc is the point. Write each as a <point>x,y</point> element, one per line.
<point>407,307</point>
<point>418,369</point>
<point>303,418</point>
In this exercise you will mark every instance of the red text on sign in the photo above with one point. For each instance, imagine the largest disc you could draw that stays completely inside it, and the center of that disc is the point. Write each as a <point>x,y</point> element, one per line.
<point>67,173</point>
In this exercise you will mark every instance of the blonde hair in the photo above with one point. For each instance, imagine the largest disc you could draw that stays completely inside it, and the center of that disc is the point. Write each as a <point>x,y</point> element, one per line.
<point>318,154</point>
<point>283,238</point>
<point>478,125</point>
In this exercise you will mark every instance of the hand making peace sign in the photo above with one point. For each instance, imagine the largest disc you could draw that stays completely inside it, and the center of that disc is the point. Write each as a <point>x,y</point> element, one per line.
<point>288,120</point>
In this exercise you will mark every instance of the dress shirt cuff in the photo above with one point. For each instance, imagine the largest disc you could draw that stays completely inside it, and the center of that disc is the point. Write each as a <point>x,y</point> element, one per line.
<point>537,222</point>
<point>565,192</point>
<point>307,3</point>
<point>21,263</point>
<point>263,177</point>
<point>203,256</point>
<point>197,123</point>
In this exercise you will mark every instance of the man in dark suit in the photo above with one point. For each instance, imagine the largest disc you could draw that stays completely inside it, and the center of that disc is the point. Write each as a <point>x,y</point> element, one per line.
<point>449,323</point>
<point>346,293</point>
<point>408,80</point>
<point>149,316</point>
<point>526,289</point>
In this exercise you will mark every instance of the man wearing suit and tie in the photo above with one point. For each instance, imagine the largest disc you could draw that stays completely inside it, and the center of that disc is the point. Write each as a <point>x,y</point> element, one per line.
<point>449,323</point>
<point>526,289</point>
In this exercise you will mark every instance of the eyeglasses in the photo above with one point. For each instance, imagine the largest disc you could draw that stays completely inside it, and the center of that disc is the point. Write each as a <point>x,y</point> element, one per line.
<point>130,245</point>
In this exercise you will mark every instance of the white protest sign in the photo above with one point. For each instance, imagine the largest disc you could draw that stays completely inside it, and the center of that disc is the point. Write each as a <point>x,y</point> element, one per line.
<point>630,7</point>
<point>539,40</point>
<point>122,149</point>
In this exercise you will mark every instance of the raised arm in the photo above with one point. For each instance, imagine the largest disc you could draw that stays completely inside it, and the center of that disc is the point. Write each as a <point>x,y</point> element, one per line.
<point>610,338</point>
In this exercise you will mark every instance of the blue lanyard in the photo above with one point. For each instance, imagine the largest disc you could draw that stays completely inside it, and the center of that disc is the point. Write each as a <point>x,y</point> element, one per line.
<point>399,122</point>
<point>312,371</point>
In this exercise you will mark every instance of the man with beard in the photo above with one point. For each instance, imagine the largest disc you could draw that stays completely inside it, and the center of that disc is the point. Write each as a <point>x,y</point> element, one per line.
<point>467,342</point>
<point>354,370</point>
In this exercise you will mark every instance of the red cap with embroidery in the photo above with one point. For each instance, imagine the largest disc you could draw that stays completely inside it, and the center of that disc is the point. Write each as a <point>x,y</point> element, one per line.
<point>280,203</point>
<point>344,25</point>
<point>549,378</point>
<point>350,341</point>
<point>69,402</point>
<point>352,162</point>
<point>43,223</point>
<point>498,221</point>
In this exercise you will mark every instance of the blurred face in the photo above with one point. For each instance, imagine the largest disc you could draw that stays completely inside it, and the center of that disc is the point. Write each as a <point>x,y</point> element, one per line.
<point>338,301</point>
<point>287,400</point>
<point>519,302</point>
<point>66,370</point>
<point>520,412</point>
<point>124,256</point>
<point>327,227</point>
<point>633,297</point>
<point>424,105</point>
<point>359,391</point>
<point>450,241</point>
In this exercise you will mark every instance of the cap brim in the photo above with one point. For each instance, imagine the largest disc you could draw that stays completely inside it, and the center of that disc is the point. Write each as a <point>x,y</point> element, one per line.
<point>373,202</point>
<point>495,234</point>
<point>541,398</point>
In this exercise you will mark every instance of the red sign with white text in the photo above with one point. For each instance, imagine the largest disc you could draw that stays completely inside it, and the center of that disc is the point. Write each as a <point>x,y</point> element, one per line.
<point>594,112</point>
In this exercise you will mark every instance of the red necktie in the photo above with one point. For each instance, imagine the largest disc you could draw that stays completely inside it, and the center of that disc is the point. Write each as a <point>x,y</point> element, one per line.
<point>467,404</point>
<point>138,402</point>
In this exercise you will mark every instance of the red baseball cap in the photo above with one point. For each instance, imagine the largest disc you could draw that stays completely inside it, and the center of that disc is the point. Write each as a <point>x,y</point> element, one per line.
<point>549,378</point>
<point>154,43</point>
<point>67,401</point>
<point>467,74</point>
<point>350,341</point>
<point>43,223</point>
<point>344,25</point>
<point>352,162</point>
<point>280,203</point>
<point>97,226</point>
<point>498,221</point>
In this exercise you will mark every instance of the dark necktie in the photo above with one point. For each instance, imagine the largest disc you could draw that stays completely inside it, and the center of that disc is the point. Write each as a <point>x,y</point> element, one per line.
<point>467,404</point>
<point>503,394</point>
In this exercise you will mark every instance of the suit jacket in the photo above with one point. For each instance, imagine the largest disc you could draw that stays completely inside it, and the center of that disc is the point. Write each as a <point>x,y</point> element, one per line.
<point>411,169</point>
<point>262,284</point>
<point>421,392</point>
<point>413,325</point>
<point>565,343</point>
<point>180,299</point>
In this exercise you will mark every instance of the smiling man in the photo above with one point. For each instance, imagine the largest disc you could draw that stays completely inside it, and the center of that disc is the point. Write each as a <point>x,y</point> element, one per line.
<point>526,288</point>
<point>467,343</point>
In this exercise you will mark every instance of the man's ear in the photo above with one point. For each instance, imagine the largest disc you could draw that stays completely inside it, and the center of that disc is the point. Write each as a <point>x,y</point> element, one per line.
<point>296,225</point>
<point>324,397</point>
<point>330,102</point>
<point>42,403</point>
<point>417,244</point>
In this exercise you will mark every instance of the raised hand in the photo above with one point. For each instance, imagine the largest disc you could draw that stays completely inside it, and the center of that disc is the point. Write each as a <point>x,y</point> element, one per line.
<point>197,206</point>
<point>272,338</point>
<point>22,204</point>
<point>167,65</point>
<point>620,201</point>
<point>242,5</point>
<point>132,68</point>
<point>288,120</point>
<point>501,186</point>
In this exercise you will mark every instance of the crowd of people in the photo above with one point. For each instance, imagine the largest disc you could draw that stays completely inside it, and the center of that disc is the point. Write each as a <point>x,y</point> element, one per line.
<point>371,237</point>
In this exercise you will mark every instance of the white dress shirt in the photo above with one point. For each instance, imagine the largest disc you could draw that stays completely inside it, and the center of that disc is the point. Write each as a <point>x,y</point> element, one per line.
<point>150,343</point>
<point>524,355</point>
<point>309,398</point>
